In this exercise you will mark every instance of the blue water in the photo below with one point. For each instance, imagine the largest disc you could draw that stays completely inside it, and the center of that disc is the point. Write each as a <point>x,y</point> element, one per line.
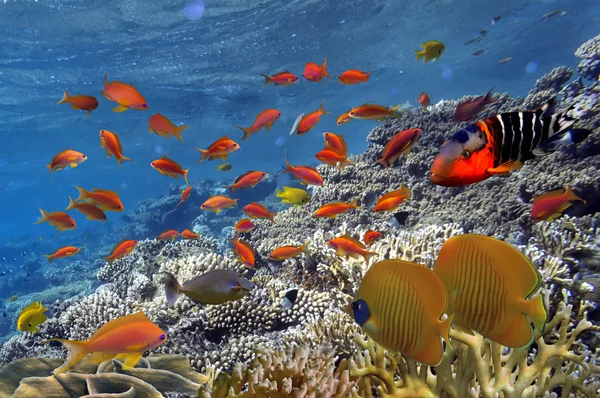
<point>205,73</point>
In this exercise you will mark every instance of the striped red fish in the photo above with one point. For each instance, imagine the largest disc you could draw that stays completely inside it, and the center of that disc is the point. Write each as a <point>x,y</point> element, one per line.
<point>501,143</point>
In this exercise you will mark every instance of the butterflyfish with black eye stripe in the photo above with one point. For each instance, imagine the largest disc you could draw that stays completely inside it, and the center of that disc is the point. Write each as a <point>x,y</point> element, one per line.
<point>491,286</point>
<point>400,304</point>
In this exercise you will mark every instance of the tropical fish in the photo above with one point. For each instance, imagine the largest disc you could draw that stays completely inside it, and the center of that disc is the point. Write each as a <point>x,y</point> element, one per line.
<point>63,252</point>
<point>399,305</point>
<point>80,102</point>
<point>164,127</point>
<point>126,95</point>
<point>93,212</point>
<point>185,194</point>
<point>285,252</point>
<point>243,251</point>
<point>220,149</point>
<point>106,200</point>
<point>334,209</point>
<point>224,167</point>
<point>127,337</point>
<point>505,60</point>
<point>391,201</point>
<point>61,220</point>
<point>213,287</point>
<point>265,120</point>
<point>294,129</point>
<point>374,112</point>
<point>424,101</point>
<point>189,234</point>
<point>112,145</point>
<point>249,179</point>
<point>332,158</point>
<point>345,246</point>
<point>284,78</point>
<point>66,158</point>
<point>344,118</point>
<point>256,210</point>
<point>306,174</point>
<point>310,120</point>
<point>496,19</point>
<point>478,52</point>
<point>501,143</point>
<point>470,41</point>
<point>354,76</point>
<point>217,203</point>
<point>244,225</point>
<point>293,196</point>
<point>169,234</point>
<point>31,317</point>
<point>553,13</point>
<point>289,299</point>
<point>336,143</point>
<point>371,236</point>
<point>12,299</point>
<point>467,110</point>
<point>490,285</point>
<point>314,72</point>
<point>121,249</point>
<point>399,144</point>
<point>431,50</point>
<point>551,205</point>
<point>168,167</point>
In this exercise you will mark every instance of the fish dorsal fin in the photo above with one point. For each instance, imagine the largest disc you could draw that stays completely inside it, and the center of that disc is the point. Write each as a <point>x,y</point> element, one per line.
<point>32,307</point>
<point>355,241</point>
<point>238,178</point>
<point>246,245</point>
<point>119,322</point>
<point>106,191</point>
<point>393,194</point>
<point>308,168</point>
<point>119,245</point>
<point>551,194</point>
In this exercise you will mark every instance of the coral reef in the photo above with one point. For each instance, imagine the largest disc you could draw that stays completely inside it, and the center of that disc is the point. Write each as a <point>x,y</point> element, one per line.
<point>589,52</point>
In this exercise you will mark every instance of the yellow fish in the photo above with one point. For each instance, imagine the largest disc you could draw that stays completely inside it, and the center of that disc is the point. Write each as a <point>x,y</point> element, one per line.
<point>431,50</point>
<point>31,317</point>
<point>293,196</point>
<point>224,167</point>
<point>490,285</point>
<point>399,305</point>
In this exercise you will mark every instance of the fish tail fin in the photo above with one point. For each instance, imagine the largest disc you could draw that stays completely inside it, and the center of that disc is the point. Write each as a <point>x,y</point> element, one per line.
<point>571,196</point>
<point>203,154</point>
<point>367,256</point>
<point>83,194</point>
<point>271,215</point>
<point>322,109</point>
<point>109,259</point>
<point>247,131</point>
<point>65,98</point>
<point>324,68</point>
<point>172,288</point>
<point>345,162</point>
<point>268,79</point>
<point>288,167</point>
<point>124,159</point>
<point>382,162</point>
<point>488,99</point>
<point>72,204</point>
<point>232,187</point>
<point>185,176</point>
<point>368,75</point>
<point>354,204</point>
<point>105,80</point>
<point>49,257</point>
<point>536,310</point>
<point>76,351</point>
<point>395,108</point>
<point>304,248</point>
<point>177,132</point>
<point>419,54</point>
<point>45,216</point>
<point>445,328</point>
<point>279,194</point>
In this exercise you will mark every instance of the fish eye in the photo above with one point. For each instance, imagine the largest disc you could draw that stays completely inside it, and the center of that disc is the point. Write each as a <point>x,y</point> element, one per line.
<point>144,105</point>
<point>466,153</point>
<point>29,324</point>
<point>162,337</point>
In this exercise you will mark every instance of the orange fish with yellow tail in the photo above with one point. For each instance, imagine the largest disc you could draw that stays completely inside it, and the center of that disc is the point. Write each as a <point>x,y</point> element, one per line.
<point>256,210</point>
<point>306,174</point>
<point>314,72</point>
<point>170,168</point>
<point>164,127</point>
<point>63,252</point>
<point>80,102</point>
<point>332,158</point>
<point>169,234</point>
<point>220,149</point>
<point>247,180</point>
<point>126,95</point>
<point>285,252</point>
<point>66,158</point>
<point>218,203</point>
<point>189,234</point>
<point>122,249</point>
<point>92,211</point>
<point>334,209</point>
<point>265,120</point>
<point>551,205</point>
<point>310,120</point>
<point>399,144</point>
<point>345,246</point>
<point>59,219</point>
<point>243,251</point>
<point>112,144</point>
<point>374,112</point>
<point>105,199</point>
<point>354,76</point>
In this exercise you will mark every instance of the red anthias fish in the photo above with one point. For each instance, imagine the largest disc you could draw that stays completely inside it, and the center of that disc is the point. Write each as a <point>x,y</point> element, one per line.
<point>400,144</point>
<point>424,101</point>
<point>284,78</point>
<point>247,180</point>
<point>551,205</point>
<point>126,95</point>
<point>314,72</point>
<point>467,110</point>
<point>80,102</point>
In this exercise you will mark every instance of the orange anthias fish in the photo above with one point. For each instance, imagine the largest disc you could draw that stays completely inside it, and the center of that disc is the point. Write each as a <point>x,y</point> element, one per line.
<point>243,251</point>
<point>126,95</point>
<point>265,120</point>
<point>112,144</point>
<point>62,253</point>
<point>92,211</point>
<point>336,143</point>
<point>354,76</point>
<point>391,200</point>
<point>189,234</point>
<point>334,209</point>
<point>244,225</point>
<point>61,220</point>
<point>80,102</point>
<point>345,246</point>
<point>344,118</point>
<point>371,236</point>
<point>122,249</point>
<point>127,337</point>
<point>466,111</point>
<point>247,180</point>
<point>306,174</point>
<point>185,194</point>
<point>164,127</point>
<point>170,234</point>
<point>285,252</point>
<point>103,198</point>
<point>491,288</point>
<point>399,144</point>
<point>284,78</point>
<point>374,112</point>
<point>314,72</point>
<point>66,158</point>
<point>310,120</point>
<point>217,203</point>
<point>551,205</point>
<point>256,210</point>
<point>168,167</point>
<point>332,158</point>
<point>424,101</point>
<point>220,149</point>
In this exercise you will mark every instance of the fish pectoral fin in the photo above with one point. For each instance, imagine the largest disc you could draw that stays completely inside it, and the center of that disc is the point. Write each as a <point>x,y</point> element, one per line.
<point>237,288</point>
<point>119,108</point>
<point>131,360</point>
<point>73,165</point>
<point>506,167</point>
<point>269,126</point>
<point>75,107</point>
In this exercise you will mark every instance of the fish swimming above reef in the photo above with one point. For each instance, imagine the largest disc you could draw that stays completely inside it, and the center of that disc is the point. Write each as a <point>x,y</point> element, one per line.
<point>399,144</point>
<point>103,198</point>
<point>293,196</point>
<point>63,252</point>
<point>247,180</point>
<point>66,158</point>
<point>265,120</point>
<point>122,249</point>
<point>31,317</point>
<point>501,143</point>
<point>467,110</point>
<point>185,194</point>
<point>127,337</point>
<point>170,168</point>
<point>334,209</point>
<point>432,50</point>
<point>189,234</point>
<point>218,203</point>
<point>112,145</point>
<point>347,246</point>
<point>213,287</point>
<point>244,253</point>
<point>490,285</point>
<point>391,200</point>
<point>220,149</point>
<point>310,120</point>
<point>335,143</point>
<point>551,205</point>
<point>400,304</point>
<point>306,174</point>
<point>162,126</point>
<point>284,252</point>
<point>244,225</point>
<point>59,219</point>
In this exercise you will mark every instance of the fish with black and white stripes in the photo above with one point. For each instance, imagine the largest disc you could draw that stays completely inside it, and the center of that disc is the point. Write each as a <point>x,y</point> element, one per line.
<point>502,143</point>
